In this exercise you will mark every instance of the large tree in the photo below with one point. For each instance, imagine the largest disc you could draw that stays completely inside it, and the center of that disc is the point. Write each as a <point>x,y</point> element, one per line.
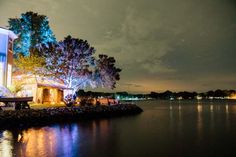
<point>105,74</point>
<point>32,30</point>
<point>69,60</point>
<point>72,61</point>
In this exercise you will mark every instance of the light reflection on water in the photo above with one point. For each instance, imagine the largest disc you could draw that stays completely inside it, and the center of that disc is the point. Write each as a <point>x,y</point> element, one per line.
<point>6,144</point>
<point>57,140</point>
<point>180,126</point>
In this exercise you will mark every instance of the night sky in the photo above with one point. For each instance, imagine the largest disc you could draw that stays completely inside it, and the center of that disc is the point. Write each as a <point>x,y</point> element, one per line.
<point>159,44</point>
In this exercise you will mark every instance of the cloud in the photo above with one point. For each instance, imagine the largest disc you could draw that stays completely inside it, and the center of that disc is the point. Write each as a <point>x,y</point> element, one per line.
<point>131,84</point>
<point>162,44</point>
<point>138,43</point>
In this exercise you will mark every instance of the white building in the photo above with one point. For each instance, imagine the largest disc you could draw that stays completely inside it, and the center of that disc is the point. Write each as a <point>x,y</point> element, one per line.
<point>6,56</point>
<point>43,90</point>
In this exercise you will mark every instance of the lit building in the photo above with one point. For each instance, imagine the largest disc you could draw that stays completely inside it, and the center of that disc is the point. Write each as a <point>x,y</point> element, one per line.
<point>7,38</point>
<point>43,90</point>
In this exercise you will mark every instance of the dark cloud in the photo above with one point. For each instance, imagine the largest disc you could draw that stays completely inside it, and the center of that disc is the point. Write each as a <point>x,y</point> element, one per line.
<point>159,44</point>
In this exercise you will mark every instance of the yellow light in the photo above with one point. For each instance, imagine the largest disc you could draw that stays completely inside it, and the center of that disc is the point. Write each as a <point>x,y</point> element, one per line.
<point>199,97</point>
<point>180,98</point>
<point>233,96</point>
<point>199,108</point>
<point>227,108</point>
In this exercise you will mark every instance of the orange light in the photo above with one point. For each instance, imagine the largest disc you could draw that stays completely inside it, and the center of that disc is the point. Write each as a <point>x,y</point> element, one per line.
<point>233,96</point>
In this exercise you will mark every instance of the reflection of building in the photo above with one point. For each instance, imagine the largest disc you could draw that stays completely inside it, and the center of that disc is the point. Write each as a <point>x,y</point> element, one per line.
<point>43,90</point>
<point>6,56</point>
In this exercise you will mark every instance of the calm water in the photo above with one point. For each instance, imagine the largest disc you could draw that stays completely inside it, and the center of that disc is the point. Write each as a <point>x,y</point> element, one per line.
<point>163,129</point>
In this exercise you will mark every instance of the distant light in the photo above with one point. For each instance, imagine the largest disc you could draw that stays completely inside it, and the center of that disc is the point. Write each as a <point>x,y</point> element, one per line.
<point>180,98</point>
<point>233,96</point>
<point>199,97</point>
<point>118,97</point>
<point>227,108</point>
<point>199,108</point>
<point>211,108</point>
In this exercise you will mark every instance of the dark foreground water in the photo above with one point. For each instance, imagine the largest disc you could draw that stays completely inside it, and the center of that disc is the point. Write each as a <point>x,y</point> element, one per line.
<point>165,128</point>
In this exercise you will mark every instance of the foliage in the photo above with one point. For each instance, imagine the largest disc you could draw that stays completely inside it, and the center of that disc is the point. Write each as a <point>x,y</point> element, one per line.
<point>33,64</point>
<point>32,29</point>
<point>217,94</point>
<point>72,61</point>
<point>80,93</point>
<point>16,87</point>
<point>106,74</point>
<point>69,60</point>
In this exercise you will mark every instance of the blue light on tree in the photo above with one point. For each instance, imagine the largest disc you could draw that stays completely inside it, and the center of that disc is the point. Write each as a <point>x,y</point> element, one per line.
<point>32,30</point>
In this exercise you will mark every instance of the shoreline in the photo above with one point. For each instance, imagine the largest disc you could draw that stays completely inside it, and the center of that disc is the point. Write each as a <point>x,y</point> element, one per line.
<point>47,116</point>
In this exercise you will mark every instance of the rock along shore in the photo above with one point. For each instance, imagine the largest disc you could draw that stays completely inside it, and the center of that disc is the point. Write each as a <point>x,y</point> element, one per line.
<point>38,117</point>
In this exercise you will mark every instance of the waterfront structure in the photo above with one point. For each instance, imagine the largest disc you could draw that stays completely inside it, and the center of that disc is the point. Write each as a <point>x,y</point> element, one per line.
<point>7,38</point>
<point>44,90</point>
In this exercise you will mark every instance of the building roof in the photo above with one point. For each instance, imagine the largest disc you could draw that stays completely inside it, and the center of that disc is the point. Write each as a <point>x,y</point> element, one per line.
<point>8,32</point>
<point>39,80</point>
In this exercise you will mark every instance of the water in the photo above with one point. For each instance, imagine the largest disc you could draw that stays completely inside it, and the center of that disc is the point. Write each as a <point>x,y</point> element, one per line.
<point>186,128</point>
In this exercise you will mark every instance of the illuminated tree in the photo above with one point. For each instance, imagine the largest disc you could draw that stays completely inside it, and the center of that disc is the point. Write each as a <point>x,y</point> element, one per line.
<point>72,61</point>
<point>106,74</point>
<point>32,30</point>
<point>69,60</point>
<point>32,64</point>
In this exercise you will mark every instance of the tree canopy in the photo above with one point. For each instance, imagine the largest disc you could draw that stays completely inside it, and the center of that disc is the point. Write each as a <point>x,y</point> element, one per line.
<point>33,64</point>
<point>106,74</point>
<point>32,30</point>
<point>70,60</point>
